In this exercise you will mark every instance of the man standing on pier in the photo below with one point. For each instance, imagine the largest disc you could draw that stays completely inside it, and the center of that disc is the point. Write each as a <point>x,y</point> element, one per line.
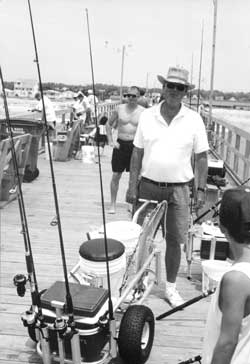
<point>49,110</point>
<point>167,135</point>
<point>124,120</point>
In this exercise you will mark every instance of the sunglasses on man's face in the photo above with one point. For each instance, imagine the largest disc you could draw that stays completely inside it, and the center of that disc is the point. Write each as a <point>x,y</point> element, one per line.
<point>130,95</point>
<point>176,86</point>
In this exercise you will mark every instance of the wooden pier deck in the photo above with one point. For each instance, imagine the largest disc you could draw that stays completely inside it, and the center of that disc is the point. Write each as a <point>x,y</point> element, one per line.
<point>177,337</point>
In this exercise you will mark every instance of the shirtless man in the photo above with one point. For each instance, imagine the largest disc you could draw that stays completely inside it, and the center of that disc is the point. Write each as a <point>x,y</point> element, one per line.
<point>124,120</point>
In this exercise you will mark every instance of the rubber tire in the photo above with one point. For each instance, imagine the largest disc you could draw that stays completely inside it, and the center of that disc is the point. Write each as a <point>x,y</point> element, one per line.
<point>131,331</point>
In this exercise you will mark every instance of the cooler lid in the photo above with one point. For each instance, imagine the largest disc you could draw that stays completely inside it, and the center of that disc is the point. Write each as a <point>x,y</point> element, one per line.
<point>87,301</point>
<point>213,230</point>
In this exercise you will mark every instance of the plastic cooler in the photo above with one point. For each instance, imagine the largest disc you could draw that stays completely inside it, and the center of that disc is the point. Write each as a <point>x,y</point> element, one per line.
<point>89,304</point>
<point>212,271</point>
<point>202,242</point>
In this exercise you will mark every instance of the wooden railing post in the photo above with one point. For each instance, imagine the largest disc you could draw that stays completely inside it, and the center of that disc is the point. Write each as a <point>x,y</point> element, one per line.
<point>246,161</point>
<point>236,156</point>
<point>229,147</point>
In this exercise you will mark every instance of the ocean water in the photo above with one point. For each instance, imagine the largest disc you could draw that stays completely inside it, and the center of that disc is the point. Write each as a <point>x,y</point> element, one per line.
<point>19,106</point>
<point>239,118</point>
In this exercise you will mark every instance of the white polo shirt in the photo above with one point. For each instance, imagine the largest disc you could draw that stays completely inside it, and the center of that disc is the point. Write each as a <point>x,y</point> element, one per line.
<point>49,109</point>
<point>168,148</point>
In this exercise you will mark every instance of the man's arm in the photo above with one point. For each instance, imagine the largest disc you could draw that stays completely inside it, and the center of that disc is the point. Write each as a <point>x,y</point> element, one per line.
<point>111,124</point>
<point>201,169</point>
<point>135,168</point>
<point>233,295</point>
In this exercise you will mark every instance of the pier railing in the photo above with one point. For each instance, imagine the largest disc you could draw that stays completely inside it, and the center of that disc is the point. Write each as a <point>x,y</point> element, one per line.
<point>66,114</point>
<point>230,144</point>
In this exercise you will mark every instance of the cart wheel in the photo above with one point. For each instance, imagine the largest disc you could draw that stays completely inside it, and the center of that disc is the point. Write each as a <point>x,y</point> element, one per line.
<point>136,334</point>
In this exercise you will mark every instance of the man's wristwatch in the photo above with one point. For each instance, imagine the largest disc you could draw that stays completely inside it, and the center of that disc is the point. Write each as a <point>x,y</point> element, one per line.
<point>201,189</point>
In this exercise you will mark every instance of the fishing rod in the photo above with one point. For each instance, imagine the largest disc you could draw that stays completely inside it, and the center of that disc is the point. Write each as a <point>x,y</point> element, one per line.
<point>112,323</point>
<point>199,83</point>
<point>69,301</point>
<point>111,312</point>
<point>191,80</point>
<point>195,359</point>
<point>213,208</point>
<point>186,304</point>
<point>20,280</point>
<point>33,319</point>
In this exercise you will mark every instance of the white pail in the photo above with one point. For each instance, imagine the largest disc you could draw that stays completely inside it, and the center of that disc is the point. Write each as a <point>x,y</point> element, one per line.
<point>127,232</point>
<point>215,269</point>
<point>88,154</point>
<point>99,272</point>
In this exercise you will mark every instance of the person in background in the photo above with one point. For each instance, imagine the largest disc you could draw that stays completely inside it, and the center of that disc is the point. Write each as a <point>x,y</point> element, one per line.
<point>124,120</point>
<point>49,110</point>
<point>143,101</point>
<point>100,135</point>
<point>167,136</point>
<point>92,100</point>
<point>201,109</point>
<point>227,334</point>
<point>80,106</point>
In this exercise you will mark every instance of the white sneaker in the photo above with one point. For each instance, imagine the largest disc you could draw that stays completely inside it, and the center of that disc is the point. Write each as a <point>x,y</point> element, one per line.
<point>173,297</point>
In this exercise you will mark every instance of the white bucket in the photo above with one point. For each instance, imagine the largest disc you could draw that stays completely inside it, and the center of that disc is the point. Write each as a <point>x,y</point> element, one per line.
<point>47,150</point>
<point>215,269</point>
<point>88,154</point>
<point>99,272</point>
<point>127,232</point>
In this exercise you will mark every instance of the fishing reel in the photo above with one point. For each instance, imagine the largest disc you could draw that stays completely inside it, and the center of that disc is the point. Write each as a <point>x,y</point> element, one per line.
<point>20,281</point>
<point>60,325</point>
<point>29,318</point>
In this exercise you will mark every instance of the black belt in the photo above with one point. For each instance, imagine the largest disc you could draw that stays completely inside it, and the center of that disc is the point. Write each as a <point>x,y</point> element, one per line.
<point>164,184</point>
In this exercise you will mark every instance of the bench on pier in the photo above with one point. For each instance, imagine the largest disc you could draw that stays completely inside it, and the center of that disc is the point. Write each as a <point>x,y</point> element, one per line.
<point>67,141</point>
<point>36,128</point>
<point>8,178</point>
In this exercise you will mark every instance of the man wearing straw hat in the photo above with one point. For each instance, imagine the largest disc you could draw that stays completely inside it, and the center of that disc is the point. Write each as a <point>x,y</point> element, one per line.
<point>167,135</point>
<point>227,334</point>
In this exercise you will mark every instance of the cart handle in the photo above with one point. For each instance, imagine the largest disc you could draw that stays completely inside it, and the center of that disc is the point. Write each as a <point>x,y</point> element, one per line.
<point>142,207</point>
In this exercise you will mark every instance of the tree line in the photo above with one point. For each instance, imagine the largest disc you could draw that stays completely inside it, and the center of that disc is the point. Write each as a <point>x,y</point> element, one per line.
<point>105,91</point>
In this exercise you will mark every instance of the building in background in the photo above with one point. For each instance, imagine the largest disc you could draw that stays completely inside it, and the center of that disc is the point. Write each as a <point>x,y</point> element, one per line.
<point>25,88</point>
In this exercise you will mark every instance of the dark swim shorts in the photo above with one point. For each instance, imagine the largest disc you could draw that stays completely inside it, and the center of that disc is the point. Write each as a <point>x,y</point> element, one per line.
<point>121,157</point>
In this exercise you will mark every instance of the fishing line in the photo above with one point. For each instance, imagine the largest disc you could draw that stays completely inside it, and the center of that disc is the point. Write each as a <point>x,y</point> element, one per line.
<point>20,280</point>
<point>213,208</point>
<point>111,313</point>
<point>69,301</point>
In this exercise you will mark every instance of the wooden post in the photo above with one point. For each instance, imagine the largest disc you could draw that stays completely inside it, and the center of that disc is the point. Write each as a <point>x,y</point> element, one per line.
<point>213,63</point>
<point>199,82</point>
<point>122,71</point>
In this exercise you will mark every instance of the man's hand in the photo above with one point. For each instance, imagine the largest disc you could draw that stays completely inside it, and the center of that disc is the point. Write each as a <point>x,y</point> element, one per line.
<point>115,145</point>
<point>131,195</point>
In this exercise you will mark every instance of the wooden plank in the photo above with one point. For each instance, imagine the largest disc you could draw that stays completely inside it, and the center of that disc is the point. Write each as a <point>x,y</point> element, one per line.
<point>177,337</point>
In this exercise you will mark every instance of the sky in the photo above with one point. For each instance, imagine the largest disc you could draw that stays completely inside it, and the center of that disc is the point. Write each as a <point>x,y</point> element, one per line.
<point>156,34</point>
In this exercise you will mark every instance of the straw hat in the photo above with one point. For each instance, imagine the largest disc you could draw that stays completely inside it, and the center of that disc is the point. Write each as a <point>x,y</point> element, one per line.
<point>176,75</point>
<point>80,94</point>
